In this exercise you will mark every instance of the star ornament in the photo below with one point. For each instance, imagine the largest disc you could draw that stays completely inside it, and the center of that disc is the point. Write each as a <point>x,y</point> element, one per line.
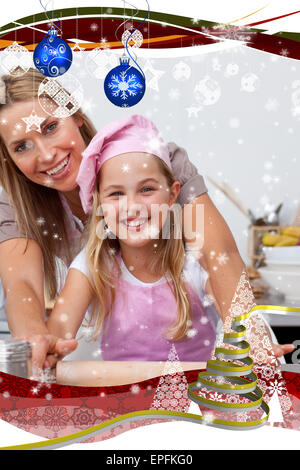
<point>156,75</point>
<point>33,121</point>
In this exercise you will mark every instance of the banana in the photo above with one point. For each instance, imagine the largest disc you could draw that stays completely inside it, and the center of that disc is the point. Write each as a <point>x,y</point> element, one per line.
<point>270,239</point>
<point>292,232</point>
<point>287,241</point>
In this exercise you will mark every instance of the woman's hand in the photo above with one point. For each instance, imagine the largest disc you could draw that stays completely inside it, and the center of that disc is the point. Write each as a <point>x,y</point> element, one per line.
<point>282,349</point>
<point>21,272</point>
<point>47,349</point>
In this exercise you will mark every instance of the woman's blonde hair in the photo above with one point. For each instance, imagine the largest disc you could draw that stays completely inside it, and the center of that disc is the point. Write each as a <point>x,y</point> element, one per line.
<point>102,263</point>
<point>35,203</point>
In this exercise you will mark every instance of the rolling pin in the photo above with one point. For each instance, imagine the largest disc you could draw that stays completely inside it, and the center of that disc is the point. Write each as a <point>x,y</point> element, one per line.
<point>109,373</point>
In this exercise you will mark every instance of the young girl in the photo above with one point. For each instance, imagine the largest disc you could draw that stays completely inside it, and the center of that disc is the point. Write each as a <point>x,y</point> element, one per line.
<point>145,293</point>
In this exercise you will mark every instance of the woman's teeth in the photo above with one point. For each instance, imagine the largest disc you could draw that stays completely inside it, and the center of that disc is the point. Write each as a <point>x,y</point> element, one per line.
<point>56,170</point>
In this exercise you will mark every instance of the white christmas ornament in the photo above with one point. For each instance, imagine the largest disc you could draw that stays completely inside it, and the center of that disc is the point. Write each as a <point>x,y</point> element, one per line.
<point>207,91</point>
<point>231,70</point>
<point>136,38</point>
<point>181,71</point>
<point>249,82</point>
<point>60,98</point>
<point>16,60</point>
<point>99,62</point>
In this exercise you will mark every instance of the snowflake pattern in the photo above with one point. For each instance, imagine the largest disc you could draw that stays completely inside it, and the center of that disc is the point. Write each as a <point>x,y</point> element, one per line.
<point>172,390</point>
<point>236,33</point>
<point>222,259</point>
<point>272,104</point>
<point>124,85</point>
<point>276,386</point>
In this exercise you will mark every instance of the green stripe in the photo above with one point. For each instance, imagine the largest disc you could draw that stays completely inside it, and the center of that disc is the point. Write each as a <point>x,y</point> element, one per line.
<point>91,12</point>
<point>288,35</point>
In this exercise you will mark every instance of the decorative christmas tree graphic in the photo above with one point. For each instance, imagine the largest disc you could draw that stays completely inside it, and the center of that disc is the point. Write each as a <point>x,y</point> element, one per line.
<point>227,392</point>
<point>172,390</point>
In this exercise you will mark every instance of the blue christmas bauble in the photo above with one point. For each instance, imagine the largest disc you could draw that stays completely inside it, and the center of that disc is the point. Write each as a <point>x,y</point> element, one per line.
<point>52,56</point>
<point>124,85</point>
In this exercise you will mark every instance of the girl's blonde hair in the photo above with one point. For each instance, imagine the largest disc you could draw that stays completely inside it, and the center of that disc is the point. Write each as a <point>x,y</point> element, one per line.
<point>102,263</point>
<point>36,204</point>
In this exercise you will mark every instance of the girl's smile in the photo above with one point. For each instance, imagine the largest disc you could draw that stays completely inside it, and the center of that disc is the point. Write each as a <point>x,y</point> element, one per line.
<point>129,199</point>
<point>135,224</point>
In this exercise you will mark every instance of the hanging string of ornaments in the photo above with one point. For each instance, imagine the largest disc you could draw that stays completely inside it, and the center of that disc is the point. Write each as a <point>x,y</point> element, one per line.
<point>52,56</point>
<point>125,85</point>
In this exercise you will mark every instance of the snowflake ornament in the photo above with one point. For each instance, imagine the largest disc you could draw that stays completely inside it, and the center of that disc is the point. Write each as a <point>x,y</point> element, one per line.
<point>174,94</point>
<point>124,85</point>
<point>192,332</point>
<point>154,143</point>
<point>236,33</point>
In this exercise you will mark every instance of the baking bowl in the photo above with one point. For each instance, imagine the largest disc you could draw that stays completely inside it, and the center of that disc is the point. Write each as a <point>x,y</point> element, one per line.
<point>285,254</point>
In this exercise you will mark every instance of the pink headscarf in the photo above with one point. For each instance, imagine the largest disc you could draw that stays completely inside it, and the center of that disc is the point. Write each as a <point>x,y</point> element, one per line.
<point>131,134</point>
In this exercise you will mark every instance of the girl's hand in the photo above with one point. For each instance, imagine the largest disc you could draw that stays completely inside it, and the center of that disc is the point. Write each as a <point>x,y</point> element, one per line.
<point>47,349</point>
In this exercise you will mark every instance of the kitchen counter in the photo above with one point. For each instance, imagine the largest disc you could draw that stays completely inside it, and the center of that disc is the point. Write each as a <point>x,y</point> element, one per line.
<point>285,324</point>
<point>280,318</point>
